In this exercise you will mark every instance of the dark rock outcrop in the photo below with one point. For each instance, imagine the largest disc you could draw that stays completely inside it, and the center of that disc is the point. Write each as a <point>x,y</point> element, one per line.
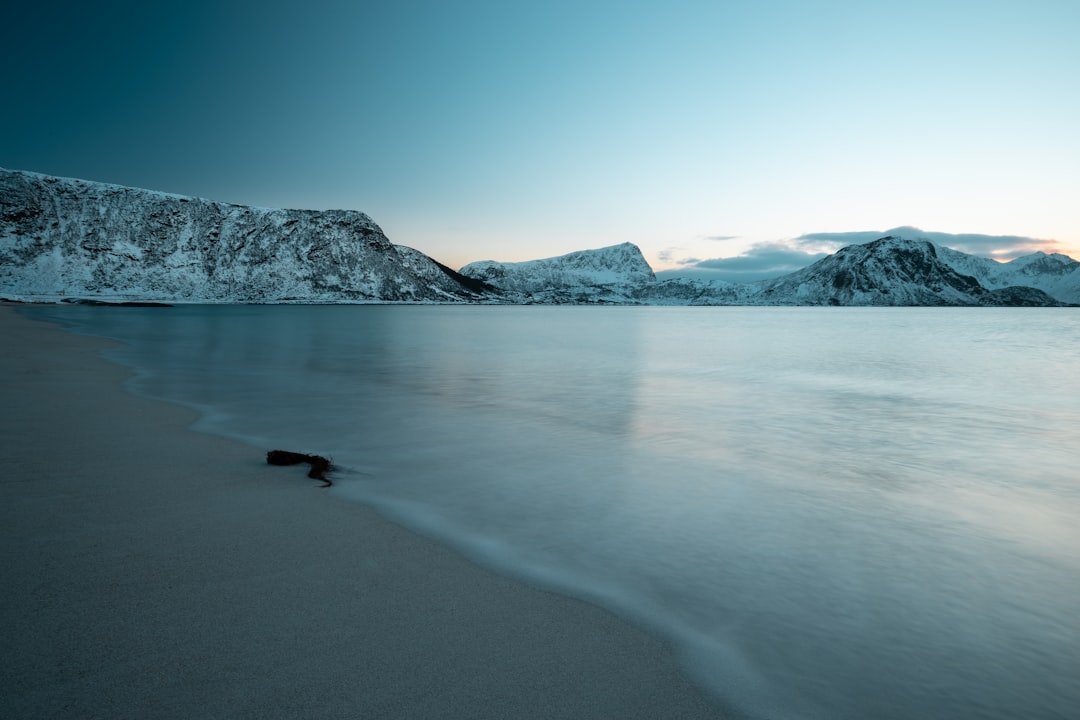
<point>889,271</point>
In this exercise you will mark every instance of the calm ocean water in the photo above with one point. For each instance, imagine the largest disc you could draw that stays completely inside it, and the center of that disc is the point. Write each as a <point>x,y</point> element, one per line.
<point>832,512</point>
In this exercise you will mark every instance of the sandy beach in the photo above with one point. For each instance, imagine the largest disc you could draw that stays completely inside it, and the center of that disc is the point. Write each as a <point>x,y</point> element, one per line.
<point>154,572</point>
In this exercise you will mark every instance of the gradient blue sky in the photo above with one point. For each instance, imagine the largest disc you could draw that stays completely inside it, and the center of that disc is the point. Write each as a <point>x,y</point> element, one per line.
<point>499,130</point>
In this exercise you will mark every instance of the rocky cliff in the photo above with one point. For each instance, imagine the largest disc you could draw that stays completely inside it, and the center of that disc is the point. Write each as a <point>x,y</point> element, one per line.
<point>615,274</point>
<point>73,238</point>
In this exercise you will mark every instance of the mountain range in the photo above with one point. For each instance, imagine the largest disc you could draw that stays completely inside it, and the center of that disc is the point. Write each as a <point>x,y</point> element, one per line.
<point>75,240</point>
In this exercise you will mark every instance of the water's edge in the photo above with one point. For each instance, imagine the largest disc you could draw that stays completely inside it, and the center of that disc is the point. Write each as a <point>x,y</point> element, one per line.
<point>836,514</point>
<point>696,657</point>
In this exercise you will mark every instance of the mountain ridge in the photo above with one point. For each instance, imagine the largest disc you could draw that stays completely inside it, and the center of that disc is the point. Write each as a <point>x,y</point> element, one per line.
<point>64,238</point>
<point>891,271</point>
<point>613,274</point>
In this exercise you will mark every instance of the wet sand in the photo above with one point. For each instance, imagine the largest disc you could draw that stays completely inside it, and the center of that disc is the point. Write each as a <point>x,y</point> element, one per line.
<point>153,572</point>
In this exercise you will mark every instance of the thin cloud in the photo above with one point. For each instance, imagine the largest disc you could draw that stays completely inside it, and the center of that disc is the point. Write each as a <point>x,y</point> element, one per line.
<point>671,255</point>
<point>765,261</point>
<point>676,255</point>
<point>761,262</point>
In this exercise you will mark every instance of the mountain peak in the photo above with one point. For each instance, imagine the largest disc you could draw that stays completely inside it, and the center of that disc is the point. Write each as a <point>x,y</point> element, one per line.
<point>616,273</point>
<point>889,242</point>
<point>891,270</point>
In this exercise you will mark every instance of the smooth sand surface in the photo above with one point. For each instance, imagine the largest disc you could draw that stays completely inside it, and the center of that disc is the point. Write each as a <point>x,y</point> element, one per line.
<point>153,572</point>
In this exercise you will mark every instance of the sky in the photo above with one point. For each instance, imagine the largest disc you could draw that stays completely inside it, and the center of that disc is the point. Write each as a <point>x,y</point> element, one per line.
<point>713,135</point>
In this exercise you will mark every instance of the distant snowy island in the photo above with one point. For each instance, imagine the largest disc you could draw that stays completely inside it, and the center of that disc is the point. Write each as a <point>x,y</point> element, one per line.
<point>79,241</point>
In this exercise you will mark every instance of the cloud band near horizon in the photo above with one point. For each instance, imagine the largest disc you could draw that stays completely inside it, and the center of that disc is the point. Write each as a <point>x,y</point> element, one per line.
<point>772,259</point>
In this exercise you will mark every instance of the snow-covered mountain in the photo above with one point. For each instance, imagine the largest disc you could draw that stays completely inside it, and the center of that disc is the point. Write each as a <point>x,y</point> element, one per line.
<point>72,238</point>
<point>62,238</point>
<point>615,274</point>
<point>890,271</point>
<point>1055,274</point>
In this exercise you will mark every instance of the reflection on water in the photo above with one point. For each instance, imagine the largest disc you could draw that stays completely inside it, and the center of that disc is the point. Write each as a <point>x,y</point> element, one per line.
<point>837,513</point>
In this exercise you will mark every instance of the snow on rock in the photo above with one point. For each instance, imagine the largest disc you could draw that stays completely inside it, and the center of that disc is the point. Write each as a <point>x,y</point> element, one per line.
<point>889,271</point>
<point>615,274</point>
<point>696,291</point>
<point>62,237</point>
<point>1055,274</point>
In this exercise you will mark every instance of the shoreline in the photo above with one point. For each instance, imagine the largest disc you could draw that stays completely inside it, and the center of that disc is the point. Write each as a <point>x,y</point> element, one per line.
<point>155,572</point>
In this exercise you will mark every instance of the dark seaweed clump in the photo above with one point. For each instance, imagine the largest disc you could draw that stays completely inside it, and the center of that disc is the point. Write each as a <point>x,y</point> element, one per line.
<point>319,465</point>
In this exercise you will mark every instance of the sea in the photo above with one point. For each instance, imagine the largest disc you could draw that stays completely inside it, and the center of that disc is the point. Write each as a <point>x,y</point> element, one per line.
<point>863,513</point>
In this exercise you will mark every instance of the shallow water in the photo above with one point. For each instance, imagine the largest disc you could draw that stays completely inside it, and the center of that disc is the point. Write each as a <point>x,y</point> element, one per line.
<point>832,512</point>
